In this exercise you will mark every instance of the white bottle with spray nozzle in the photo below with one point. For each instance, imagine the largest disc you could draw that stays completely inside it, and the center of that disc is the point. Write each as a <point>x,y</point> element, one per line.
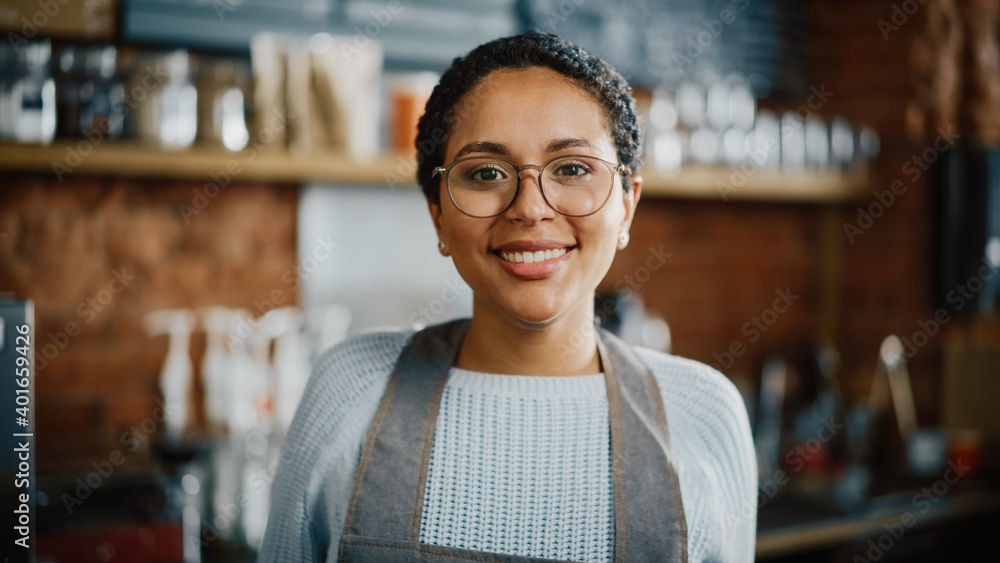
<point>330,323</point>
<point>216,366</point>
<point>291,364</point>
<point>260,351</point>
<point>175,377</point>
<point>242,379</point>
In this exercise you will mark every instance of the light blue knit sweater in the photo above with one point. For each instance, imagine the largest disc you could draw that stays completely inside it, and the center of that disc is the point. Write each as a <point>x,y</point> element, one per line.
<point>519,464</point>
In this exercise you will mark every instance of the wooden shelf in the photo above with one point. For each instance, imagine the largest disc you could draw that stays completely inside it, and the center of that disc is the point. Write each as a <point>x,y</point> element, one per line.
<point>134,160</point>
<point>723,184</point>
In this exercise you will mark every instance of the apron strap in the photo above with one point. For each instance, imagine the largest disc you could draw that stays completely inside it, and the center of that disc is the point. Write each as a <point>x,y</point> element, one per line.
<point>649,516</point>
<point>392,473</point>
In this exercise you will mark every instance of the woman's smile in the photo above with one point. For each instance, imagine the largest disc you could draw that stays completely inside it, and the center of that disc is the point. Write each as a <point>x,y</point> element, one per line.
<point>533,260</point>
<point>530,257</point>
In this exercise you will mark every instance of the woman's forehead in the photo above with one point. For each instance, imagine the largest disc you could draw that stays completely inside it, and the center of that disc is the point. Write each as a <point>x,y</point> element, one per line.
<point>528,110</point>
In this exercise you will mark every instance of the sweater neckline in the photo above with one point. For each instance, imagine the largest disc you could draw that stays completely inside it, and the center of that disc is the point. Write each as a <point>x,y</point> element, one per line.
<point>590,386</point>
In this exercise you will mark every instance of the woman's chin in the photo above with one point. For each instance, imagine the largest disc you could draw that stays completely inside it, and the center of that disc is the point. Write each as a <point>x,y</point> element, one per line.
<point>539,317</point>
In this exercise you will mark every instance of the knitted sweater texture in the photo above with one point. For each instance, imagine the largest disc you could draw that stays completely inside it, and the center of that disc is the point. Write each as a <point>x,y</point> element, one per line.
<point>519,464</point>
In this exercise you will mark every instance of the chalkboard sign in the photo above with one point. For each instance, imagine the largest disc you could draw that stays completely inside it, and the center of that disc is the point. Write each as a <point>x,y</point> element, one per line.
<point>668,42</point>
<point>425,34</point>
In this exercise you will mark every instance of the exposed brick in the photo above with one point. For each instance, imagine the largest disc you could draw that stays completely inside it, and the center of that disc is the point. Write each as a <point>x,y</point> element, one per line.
<point>64,242</point>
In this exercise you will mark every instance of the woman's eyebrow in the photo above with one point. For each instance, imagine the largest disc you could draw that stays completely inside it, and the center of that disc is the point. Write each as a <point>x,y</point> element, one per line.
<point>501,149</point>
<point>568,143</point>
<point>483,146</point>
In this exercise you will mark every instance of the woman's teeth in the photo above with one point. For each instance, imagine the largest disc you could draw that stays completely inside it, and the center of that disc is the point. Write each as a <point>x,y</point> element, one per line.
<point>532,257</point>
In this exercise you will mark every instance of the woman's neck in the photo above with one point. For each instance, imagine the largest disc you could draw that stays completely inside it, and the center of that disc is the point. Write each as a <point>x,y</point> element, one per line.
<point>564,346</point>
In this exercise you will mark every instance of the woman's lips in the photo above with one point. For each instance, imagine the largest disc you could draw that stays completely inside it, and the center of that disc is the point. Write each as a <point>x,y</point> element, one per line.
<point>533,264</point>
<point>532,257</point>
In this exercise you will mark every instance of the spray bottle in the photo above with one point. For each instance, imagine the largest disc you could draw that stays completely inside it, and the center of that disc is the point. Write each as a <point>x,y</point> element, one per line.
<point>243,377</point>
<point>216,366</point>
<point>175,377</point>
<point>291,364</point>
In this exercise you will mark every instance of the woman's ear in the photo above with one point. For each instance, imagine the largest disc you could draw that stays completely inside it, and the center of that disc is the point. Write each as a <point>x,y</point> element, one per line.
<point>631,200</point>
<point>435,210</point>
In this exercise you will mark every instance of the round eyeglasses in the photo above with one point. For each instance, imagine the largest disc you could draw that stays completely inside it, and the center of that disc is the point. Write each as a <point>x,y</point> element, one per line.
<point>573,185</point>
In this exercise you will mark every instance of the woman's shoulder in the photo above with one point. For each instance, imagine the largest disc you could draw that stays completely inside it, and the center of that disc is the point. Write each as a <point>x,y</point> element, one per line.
<point>363,352</point>
<point>703,407</point>
<point>350,369</point>
<point>683,378</point>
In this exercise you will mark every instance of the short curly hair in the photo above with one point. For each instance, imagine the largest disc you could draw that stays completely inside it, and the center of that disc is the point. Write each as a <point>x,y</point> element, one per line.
<point>529,49</point>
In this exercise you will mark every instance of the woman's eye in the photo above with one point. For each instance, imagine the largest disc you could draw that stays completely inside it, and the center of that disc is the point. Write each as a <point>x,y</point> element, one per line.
<point>487,175</point>
<point>571,169</point>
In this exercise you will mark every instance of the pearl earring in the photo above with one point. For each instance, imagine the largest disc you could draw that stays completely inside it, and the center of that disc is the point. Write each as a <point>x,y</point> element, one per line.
<point>441,247</point>
<point>623,238</point>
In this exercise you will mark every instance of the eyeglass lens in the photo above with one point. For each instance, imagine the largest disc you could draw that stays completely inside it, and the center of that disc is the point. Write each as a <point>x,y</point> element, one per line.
<point>573,185</point>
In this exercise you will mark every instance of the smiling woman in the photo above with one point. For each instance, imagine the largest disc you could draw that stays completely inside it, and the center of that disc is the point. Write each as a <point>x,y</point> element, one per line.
<point>524,433</point>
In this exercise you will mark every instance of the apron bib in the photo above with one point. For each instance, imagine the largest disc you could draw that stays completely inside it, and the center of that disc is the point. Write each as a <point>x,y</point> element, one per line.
<point>383,518</point>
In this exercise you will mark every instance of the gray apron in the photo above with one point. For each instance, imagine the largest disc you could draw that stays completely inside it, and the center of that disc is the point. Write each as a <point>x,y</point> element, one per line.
<point>383,519</point>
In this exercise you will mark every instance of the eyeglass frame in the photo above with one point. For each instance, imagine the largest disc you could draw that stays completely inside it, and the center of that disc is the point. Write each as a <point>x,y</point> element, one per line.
<point>446,170</point>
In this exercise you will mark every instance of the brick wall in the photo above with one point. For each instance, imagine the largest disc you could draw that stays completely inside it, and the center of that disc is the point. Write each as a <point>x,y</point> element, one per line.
<point>96,255</point>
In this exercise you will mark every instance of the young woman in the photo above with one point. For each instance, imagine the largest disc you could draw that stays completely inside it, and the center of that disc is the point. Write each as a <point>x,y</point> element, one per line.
<point>523,433</point>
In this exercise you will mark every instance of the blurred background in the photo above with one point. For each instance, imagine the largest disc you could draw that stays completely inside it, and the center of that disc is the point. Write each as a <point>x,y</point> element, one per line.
<point>198,196</point>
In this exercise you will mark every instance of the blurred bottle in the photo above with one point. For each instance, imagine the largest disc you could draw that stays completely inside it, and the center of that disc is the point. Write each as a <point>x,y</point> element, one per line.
<point>101,95</point>
<point>27,93</point>
<point>717,105</point>
<point>706,137</point>
<point>222,103</point>
<point>793,142</point>
<point>269,78</point>
<point>666,143</point>
<point>868,146</point>
<point>841,143</point>
<point>291,364</point>
<point>216,367</point>
<point>705,145</point>
<point>408,97</point>
<point>742,104</point>
<point>764,142</point>
<point>177,372</point>
<point>691,101</point>
<point>71,74</point>
<point>168,116</point>
<point>817,136</point>
<point>8,78</point>
<point>740,107</point>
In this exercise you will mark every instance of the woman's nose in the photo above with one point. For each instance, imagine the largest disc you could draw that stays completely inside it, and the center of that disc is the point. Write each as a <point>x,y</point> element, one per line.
<point>529,203</point>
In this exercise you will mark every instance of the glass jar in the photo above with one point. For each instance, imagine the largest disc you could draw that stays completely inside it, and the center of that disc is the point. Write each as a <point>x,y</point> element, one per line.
<point>167,112</point>
<point>222,84</point>
<point>27,93</point>
<point>8,78</point>
<point>101,96</point>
